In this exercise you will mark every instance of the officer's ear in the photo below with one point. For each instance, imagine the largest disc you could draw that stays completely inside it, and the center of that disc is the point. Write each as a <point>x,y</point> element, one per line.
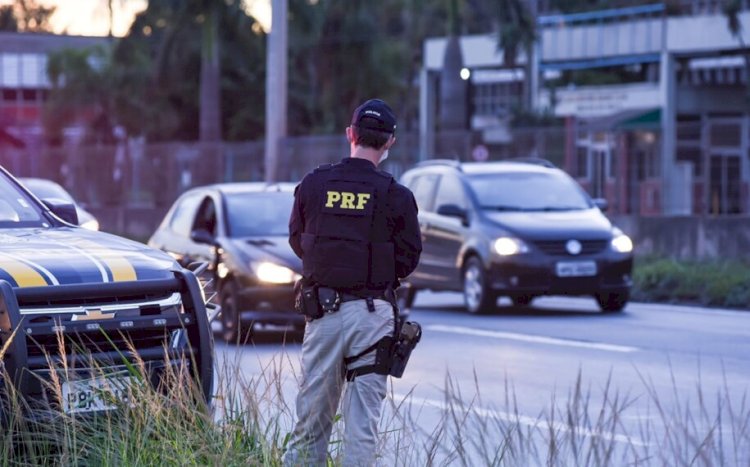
<point>391,141</point>
<point>350,134</point>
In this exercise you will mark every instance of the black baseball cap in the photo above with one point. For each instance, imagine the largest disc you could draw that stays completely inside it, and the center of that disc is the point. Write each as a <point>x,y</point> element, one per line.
<point>375,114</point>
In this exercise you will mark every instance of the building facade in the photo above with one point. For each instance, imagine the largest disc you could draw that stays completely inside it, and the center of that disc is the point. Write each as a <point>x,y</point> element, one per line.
<point>654,102</point>
<point>24,84</point>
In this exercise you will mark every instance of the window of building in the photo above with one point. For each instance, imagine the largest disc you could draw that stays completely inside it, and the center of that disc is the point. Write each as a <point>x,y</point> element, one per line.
<point>692,154</point>
<point>31,70</point>
<point>10,75</point>
<point>689,130</point>
<point>28,95</point>
<point>10,95</point>
<point>725,134</point>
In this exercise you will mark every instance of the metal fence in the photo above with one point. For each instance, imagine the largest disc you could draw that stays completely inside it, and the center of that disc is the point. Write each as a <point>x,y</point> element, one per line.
<point>142,175</point>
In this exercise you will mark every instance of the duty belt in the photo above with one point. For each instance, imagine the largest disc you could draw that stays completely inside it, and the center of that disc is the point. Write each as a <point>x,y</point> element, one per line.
<point>331,299</point>
<point>348,297</point>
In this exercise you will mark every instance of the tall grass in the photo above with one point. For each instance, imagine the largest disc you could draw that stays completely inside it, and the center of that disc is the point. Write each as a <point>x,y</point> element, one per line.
<point>250,417</point>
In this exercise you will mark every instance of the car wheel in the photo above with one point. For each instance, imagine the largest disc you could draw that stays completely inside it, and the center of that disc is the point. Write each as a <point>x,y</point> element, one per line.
<point>477,296</point>
<point>522,300</point>
<point>612,302</point>
<point>231,324</point>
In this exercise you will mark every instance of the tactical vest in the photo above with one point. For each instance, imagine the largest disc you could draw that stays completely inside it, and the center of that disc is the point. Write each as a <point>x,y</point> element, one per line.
<point>349,246</point>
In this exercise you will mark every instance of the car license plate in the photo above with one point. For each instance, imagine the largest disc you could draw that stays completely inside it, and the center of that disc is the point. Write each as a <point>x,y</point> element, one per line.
<point>576,268</point>
<point>96,394</point>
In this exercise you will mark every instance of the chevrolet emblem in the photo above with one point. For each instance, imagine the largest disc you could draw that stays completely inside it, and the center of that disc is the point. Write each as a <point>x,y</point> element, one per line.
<point>92,315</point>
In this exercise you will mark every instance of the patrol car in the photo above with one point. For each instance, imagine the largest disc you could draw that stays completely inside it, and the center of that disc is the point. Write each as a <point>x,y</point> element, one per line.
<point>72,299</point>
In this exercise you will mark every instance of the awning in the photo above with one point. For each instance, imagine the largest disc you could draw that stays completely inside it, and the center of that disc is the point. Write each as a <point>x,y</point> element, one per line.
<point>626,120</point>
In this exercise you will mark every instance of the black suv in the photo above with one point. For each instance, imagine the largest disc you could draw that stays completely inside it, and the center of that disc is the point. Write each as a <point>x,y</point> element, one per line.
<point>517,228</point>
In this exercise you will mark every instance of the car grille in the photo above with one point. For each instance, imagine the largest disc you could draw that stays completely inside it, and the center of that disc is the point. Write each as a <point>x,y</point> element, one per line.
<point>105,322</point>
<point>557,247</point>
<point>83,343</point>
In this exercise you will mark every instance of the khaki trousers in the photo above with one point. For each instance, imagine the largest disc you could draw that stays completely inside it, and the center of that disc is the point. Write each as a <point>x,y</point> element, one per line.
<point>327,341</point>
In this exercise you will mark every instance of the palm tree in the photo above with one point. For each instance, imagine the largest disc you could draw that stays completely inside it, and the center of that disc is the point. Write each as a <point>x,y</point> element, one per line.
<point>206,13</point>
<point>453,89</point>
<point>516,20</point>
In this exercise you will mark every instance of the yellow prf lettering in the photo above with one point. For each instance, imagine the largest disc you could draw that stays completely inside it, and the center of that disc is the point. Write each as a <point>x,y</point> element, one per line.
<point>333,197</point>
<point>362,199</point>
<point>347,200</point>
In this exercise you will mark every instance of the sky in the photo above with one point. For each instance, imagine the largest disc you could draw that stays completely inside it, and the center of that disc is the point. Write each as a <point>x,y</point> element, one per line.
<point>91,17</point>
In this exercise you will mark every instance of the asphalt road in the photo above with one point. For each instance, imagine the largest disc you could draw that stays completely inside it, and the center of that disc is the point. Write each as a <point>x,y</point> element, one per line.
<point>653,381</point>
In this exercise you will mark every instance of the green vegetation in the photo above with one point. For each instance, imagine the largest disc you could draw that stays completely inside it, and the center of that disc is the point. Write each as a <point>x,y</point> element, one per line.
<point>250,419</point>
<point>721,283</point>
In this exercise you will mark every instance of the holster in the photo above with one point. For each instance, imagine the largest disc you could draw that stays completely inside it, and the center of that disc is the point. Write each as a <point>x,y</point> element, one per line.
<point>392,353</point>
<point>408,338</point>
<point>306,300</point>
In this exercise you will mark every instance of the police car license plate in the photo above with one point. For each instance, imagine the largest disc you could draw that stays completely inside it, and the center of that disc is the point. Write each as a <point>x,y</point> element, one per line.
<point>96,394</point>
<point>576,268</point>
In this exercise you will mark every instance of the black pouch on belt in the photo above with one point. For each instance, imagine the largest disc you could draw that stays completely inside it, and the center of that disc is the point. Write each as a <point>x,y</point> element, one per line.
<point>329,299</point>
<point>306,301</point>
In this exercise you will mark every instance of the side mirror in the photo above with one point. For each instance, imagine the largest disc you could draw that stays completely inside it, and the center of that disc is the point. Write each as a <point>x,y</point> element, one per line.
<point>451,210</point>
<point>65,210</point>
<point>203,236</point>
<point>601,203</point>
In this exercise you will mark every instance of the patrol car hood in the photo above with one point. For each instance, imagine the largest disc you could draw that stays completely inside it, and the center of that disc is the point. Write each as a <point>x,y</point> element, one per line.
<point>272,248</point>
<point>39,257</point>
<point>582,224</point>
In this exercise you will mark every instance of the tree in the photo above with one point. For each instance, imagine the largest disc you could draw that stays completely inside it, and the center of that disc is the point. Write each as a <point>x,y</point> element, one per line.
<point>33,17</point>
<point>453,89</point>
<point>25,15</point>
<point>82,93</point>
<point>152,76</point>
<point>8,21</point>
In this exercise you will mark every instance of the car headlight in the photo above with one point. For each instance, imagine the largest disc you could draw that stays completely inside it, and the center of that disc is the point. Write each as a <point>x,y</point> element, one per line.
<point>274,274</point>
<point>621,243</point>
<point>93,224</point>
<point>507,246</point>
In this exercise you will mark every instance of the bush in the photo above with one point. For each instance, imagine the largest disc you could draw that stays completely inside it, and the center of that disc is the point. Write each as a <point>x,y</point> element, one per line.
<point>249,423</point>
<point>722,283</point>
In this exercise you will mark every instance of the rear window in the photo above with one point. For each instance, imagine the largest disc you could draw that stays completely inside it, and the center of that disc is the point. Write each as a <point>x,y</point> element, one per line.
<point>259,214</point>
<point>528,191</point>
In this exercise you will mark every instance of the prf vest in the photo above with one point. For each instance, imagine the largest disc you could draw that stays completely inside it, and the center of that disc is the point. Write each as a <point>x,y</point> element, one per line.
<point>349,246</point>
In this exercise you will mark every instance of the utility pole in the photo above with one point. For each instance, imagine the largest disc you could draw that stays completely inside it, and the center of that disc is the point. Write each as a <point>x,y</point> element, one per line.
<point>276,88</point>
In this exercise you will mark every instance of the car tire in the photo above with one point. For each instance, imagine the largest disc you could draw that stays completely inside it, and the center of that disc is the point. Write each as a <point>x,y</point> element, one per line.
<point>522,300</point>
<point>478,297</point>
<point>231,323</point>
<point>612,302</point>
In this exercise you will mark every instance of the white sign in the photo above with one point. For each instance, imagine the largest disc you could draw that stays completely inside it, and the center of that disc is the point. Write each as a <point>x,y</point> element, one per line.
<point>597,101</point>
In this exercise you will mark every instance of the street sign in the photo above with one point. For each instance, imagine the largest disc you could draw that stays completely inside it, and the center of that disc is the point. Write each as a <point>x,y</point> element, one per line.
<point>480,153</point>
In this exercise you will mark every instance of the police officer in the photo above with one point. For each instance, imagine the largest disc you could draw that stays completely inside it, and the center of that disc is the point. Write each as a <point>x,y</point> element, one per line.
<point>357,233</point>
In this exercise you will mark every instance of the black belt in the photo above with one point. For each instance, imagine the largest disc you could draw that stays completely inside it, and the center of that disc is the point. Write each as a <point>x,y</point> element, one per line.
<point>347,297</point>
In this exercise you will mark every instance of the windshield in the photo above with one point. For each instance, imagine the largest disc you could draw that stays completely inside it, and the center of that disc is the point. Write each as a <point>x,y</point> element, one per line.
<point>16,209</point>
<point>528,191</point>
<point>46,189</point>
<point>259,214</point>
